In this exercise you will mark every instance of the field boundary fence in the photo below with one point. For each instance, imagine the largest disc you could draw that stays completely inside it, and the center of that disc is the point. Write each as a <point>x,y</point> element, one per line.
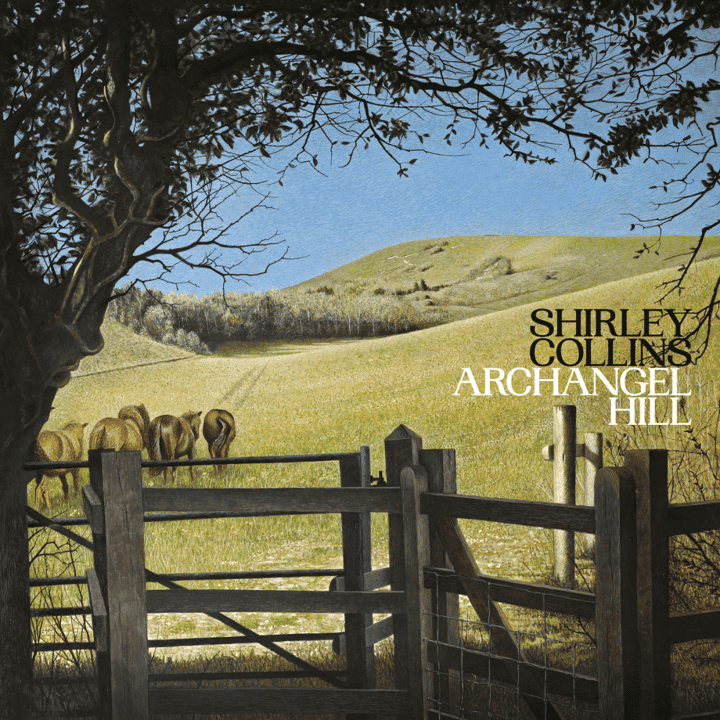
<point>438,673</point>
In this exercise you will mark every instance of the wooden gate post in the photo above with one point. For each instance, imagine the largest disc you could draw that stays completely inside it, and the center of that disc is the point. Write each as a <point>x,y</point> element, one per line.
<point>413,481</point>
<point>100,637</point>
<point>564,450</point>
<point>593,454</point>
<point>116,481</point>
<point>402,448</point>
<point>445,606</point>
<point>616,594</point>
<point>357,560</point>
<point>650,470</point>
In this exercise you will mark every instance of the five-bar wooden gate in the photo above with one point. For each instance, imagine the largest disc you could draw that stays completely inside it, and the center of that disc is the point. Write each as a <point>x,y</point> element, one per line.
<point>429,566</point>
<point>115,503</point>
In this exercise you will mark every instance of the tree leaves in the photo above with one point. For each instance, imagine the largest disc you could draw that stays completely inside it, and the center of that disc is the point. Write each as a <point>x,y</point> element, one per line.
<point>245,96</point>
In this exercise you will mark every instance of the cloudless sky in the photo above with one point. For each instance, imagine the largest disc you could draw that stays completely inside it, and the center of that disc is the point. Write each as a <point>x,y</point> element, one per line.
<point>329,220</point>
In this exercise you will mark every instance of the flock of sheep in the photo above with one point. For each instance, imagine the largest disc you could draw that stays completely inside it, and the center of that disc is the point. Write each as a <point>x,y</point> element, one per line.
<point>167,437</point>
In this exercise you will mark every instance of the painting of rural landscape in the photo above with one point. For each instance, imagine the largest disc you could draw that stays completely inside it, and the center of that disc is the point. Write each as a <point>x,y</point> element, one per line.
<point>337,363</point>
<point>359,360</point>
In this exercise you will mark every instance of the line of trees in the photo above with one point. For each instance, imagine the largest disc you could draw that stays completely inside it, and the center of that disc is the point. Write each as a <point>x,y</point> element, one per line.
<point>201,324</point>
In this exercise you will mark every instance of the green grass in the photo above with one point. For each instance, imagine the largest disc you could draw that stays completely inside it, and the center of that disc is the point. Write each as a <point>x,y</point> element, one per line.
<point>587,262</point>
<point>338,397</point>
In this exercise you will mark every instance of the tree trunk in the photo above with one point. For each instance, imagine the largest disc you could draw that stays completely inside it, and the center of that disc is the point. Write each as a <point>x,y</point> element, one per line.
<point>15,636</point>
<point>33,364</point>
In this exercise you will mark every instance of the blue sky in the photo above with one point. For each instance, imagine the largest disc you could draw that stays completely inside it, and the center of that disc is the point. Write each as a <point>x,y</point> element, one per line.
<point>331,219</point>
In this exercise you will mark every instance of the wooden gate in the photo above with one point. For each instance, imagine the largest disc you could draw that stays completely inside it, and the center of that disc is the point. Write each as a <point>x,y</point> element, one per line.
<point>631,521</point>
<point>430,565</point>
<point>115,502</point>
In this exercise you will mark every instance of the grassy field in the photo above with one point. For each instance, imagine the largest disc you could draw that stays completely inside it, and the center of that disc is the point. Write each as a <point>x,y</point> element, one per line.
<point>123,348</point>
<point>338,397</point>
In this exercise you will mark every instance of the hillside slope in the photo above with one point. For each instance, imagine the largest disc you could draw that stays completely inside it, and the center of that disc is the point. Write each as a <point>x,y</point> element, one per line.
<point>124,348</point>
<point>338,397</point>
<point>474,275</point>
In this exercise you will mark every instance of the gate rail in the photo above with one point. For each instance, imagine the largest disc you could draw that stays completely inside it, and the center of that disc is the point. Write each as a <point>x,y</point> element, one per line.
<point>115,502</point>
<point>430,566</point>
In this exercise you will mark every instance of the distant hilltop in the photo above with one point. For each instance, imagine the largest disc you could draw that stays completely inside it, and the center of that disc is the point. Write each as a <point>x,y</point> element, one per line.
<point>477,274</point>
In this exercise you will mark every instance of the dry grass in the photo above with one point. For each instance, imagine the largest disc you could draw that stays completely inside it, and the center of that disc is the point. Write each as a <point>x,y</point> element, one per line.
<point>126,349</point>
<point>339,397</point>
<point>543,267</point>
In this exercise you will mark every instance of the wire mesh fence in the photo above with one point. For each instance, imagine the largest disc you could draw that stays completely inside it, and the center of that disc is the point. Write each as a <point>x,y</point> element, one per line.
<point>542,668</point>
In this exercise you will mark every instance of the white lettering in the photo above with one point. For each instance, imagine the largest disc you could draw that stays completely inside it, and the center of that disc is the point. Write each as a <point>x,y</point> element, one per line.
<point>470,381</point>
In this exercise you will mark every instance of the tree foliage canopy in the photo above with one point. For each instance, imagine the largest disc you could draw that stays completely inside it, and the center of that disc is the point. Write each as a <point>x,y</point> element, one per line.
<point>97,97</point>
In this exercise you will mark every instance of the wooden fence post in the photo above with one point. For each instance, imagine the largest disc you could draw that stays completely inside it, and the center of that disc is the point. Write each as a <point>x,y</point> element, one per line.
<point>116,479</point>
<point>564,442</point>
<point>413,481</point>
<point>402,448</point>
<point>357,560</point>
<point>445,606</point>
<point>650,470</point>
<point>593,453</point>
<point>100,637</point>
<point>616,594</point>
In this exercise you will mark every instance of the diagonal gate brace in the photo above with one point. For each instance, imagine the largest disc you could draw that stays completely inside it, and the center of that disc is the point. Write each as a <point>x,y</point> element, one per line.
<point>501,634</point>
<point>150,576</point>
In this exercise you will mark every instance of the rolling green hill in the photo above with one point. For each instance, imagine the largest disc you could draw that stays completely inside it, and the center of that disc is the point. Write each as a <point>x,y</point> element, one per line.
<point>463,278</point>
<point>338,397</point>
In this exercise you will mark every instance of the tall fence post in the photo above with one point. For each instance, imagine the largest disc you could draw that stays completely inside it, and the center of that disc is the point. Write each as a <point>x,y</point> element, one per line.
<point>564,448</point>
<point>357,560</point>
<point>445,606</point>
<point>593,454</point>
<point>416,555</point>
<point>116,480</point>
<point>402,448</point>
<point>650,470</point>
<point>616,594</point>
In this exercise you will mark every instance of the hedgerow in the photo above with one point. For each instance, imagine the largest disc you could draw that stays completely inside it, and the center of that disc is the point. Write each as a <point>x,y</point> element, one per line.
<point>201,324</point>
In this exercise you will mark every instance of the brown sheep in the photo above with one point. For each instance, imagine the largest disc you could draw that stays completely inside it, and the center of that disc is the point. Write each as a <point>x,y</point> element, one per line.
<point>219,432</point>
<point>55,446</point>
<point>170,437</point>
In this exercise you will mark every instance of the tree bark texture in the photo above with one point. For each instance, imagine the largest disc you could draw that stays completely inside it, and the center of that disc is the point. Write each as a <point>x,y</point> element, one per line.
<point>15,637</point>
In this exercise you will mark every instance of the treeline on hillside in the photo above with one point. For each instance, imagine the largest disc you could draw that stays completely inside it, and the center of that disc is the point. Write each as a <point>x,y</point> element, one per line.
<point>200,324</point>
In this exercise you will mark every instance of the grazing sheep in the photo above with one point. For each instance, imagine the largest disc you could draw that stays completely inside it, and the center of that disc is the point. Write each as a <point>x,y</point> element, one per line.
<point>56,446</point>
<point>170,437</point>
<point>219,432</point>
